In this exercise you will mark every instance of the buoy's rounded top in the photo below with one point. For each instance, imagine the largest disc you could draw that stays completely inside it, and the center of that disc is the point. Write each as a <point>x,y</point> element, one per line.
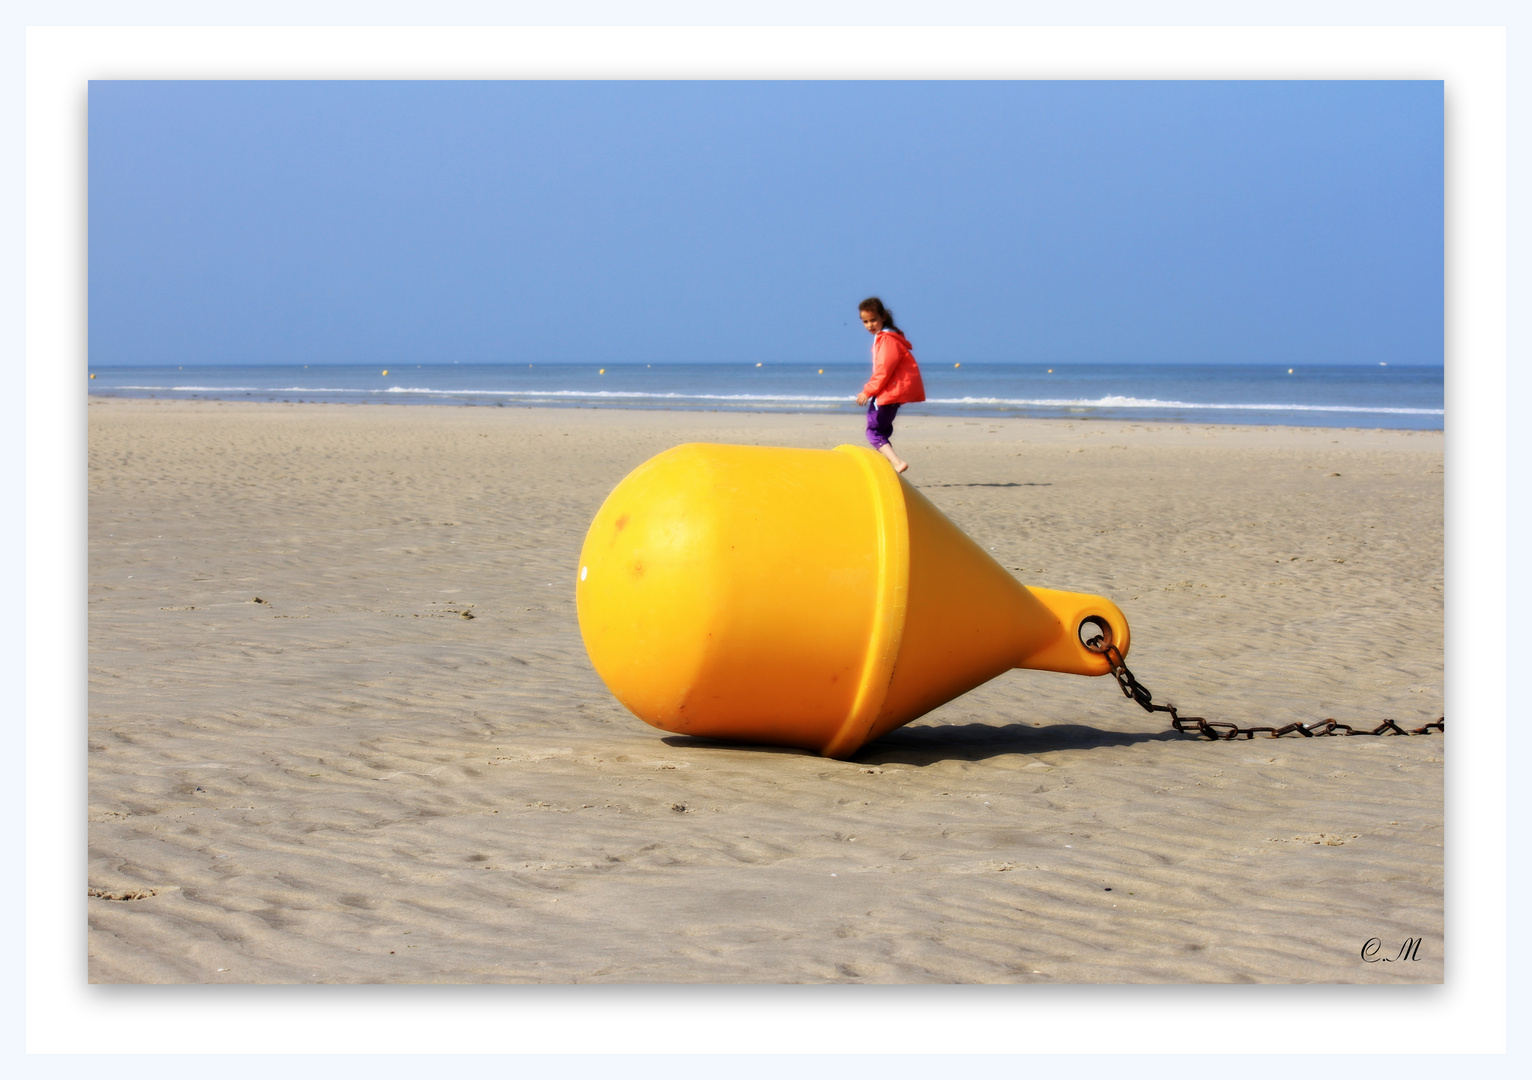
<point>764,584</point>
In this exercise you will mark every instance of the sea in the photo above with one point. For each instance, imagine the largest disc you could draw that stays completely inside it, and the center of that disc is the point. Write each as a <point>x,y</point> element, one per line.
<point>1373,396</point>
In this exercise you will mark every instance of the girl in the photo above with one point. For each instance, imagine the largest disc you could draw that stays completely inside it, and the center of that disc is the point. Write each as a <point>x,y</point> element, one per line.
<point>895,378</point>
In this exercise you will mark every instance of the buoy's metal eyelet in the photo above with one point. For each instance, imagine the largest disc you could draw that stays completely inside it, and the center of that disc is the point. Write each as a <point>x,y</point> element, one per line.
<point>1095,633</point>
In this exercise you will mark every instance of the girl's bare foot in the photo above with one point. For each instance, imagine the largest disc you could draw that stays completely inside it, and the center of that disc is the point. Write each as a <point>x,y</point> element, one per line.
<point>894,459</point>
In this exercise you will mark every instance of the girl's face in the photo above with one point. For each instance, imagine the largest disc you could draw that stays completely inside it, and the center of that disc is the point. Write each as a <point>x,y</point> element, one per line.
<point>872,322</point>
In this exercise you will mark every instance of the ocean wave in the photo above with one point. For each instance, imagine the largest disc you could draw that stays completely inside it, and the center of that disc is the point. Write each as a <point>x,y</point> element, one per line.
<point>243,389</point>
<point>1113,401</point>
<point>671,395</point>
<point>1109,401</point>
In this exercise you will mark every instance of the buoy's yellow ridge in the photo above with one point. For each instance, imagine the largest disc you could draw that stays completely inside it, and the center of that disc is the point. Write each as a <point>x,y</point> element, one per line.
<point>891,528</point>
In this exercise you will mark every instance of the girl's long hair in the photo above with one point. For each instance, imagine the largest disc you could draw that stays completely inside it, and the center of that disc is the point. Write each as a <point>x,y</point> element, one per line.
<point>874,305</point>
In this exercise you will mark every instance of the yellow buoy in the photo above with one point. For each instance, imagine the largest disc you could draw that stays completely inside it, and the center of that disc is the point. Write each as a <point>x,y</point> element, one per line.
<point>385,371</point>
<point>601,372</point>
<point>807,598</point>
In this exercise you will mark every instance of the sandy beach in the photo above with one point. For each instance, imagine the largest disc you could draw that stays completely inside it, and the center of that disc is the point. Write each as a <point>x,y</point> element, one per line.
<point>343,728</point>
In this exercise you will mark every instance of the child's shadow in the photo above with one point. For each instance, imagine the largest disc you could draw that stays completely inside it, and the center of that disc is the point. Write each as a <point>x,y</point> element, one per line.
<point>1027,483</point>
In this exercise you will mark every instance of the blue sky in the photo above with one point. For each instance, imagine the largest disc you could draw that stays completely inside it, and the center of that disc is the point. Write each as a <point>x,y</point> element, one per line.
<point>1057,222</point>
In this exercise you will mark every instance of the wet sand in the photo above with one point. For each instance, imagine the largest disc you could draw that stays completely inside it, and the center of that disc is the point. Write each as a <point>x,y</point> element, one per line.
<point>397,765</point>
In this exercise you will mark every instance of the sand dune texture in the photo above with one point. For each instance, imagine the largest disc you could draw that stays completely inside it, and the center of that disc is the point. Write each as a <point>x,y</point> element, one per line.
<point>343,730</point>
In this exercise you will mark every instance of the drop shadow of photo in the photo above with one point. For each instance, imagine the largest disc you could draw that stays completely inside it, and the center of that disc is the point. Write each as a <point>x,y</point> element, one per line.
<point>955,742</point>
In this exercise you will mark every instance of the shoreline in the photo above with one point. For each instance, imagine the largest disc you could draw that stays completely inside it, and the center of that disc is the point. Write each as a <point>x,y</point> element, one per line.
<point>307,783</point>
<point>1401,397</point>
<point>847,418</point>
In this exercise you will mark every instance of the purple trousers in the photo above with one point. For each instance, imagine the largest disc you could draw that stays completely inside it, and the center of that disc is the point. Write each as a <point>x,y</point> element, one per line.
<point>880,423</point>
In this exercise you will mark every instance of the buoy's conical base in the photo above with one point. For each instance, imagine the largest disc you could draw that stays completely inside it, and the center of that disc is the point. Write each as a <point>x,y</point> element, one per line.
<point>968,620</point>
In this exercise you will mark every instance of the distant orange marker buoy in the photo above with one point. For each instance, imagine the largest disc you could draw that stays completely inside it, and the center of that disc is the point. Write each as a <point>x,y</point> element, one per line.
<point>93,376</point>
<point>385,371</point>
<point>807,598</point>
<point>821,371</point>
<point>957,365</point>
<point>601,372</point>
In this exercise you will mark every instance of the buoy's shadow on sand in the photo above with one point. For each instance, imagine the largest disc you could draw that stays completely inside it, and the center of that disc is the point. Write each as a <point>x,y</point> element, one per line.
<point>976,742</point>
<point>959,742</point>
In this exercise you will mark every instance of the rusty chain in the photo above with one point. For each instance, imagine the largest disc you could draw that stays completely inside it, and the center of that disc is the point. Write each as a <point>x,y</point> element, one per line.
<point>1223,729</point>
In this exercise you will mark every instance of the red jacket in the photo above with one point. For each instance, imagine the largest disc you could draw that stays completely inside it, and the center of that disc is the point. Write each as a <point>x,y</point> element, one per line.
<point>895,375</point>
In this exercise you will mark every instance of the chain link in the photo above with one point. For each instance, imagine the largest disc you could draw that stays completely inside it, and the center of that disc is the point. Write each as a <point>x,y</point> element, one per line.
<point>1222,729</point>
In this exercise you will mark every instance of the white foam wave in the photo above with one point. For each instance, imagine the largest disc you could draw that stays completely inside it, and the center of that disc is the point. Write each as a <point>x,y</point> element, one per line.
<point>1109,401</point>
<point>245,389</point>
<point>1113,401</point>
<point>625,394</point>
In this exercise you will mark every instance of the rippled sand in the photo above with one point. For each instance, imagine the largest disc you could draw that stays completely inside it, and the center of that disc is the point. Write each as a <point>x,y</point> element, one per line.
<point>398,766</point>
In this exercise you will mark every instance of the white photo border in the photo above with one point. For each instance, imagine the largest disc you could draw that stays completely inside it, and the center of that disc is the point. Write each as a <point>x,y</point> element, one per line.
<point>65,1015</point>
